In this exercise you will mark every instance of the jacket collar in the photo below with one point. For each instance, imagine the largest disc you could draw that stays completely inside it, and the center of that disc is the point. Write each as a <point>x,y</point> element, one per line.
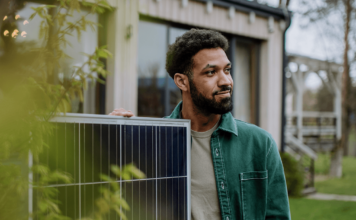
<point>227,123</point>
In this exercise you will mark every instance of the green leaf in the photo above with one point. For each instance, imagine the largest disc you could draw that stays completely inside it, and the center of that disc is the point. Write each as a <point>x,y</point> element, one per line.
<point>136,173</point>
<point>32,16</point>
<point>116,170</point>
<point>115,186</point>
<point>100,80</point>
<point>126,176</point>
<point>40,169</point>
<point>124,204</point>
<point>99,10</point>
<point>102,205</point>
<point>62,4</point>
<point>50,6</point>
<point>102,54</point>
<point>42,206</point>
<point>81,97</point>
<point>105,177</point>
<point>120,213</point>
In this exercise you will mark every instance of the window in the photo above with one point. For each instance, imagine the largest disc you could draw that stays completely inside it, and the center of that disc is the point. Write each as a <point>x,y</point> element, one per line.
<point>157,92</point>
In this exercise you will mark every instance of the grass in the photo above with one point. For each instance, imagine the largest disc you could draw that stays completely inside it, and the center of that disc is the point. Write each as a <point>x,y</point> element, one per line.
<point>322,164</point>
<point>346,185</point>
<point>307,209</point>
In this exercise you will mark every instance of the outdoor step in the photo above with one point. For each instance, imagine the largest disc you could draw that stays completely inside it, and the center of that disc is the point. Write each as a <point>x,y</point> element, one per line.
<point>309,191</point>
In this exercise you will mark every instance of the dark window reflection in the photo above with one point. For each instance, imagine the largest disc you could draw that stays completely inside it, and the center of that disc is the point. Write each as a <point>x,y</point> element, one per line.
<point>157,92</point>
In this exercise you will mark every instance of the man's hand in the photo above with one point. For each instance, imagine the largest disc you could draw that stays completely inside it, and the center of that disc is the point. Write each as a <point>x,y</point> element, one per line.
<point>122,112</point>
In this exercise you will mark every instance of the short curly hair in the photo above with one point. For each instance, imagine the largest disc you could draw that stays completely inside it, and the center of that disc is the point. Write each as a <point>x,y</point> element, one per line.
<point>180,54</point>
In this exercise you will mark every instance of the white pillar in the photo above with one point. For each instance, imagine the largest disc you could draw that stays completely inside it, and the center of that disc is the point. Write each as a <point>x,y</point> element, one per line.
<point>121,85</point>
<point>299,107</point>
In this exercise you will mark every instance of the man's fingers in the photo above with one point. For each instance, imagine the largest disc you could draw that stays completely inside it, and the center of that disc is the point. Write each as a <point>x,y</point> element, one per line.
<point>122,112</point>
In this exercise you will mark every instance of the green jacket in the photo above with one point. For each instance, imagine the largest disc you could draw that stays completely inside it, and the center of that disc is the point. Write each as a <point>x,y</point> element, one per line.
<point>248,171</point>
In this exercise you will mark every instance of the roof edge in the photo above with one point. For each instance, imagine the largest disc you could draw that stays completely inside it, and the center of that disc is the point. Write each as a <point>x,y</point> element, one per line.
<point>248,6</point>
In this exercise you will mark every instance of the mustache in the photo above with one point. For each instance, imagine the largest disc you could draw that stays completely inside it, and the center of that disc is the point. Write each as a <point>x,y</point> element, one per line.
<point>223,89</point>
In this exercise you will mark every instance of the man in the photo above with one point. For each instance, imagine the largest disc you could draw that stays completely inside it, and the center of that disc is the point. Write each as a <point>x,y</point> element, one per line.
<point>236,168</point>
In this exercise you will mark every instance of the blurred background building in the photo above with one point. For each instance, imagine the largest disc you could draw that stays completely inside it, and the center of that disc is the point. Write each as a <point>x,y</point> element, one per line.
<point>138,34</point>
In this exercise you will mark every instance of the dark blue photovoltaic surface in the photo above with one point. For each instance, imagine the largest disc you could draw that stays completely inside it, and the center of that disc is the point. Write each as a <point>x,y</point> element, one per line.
<point>85,151</point>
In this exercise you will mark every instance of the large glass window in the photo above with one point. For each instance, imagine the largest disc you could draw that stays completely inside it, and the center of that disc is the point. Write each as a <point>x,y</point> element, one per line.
<point>175,95</point>
<point>157,92</point>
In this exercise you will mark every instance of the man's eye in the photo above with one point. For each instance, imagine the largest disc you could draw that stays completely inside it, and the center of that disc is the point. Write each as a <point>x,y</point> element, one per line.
<point>210,72</point>
<point>228,70</point>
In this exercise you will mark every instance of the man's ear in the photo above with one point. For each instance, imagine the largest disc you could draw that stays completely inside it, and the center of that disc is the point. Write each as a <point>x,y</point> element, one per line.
<point>181,81</point>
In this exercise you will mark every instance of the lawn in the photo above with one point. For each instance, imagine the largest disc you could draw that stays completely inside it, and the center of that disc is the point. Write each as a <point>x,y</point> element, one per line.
<point>346,185</point>
<point>307,209</point>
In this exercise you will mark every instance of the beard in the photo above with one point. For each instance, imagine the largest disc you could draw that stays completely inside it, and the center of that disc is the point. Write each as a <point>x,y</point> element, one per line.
<point>210,106</point>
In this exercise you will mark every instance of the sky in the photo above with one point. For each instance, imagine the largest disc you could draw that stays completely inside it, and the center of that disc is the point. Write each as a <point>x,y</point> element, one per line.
<point>308,41</point>
<point>302,41</point>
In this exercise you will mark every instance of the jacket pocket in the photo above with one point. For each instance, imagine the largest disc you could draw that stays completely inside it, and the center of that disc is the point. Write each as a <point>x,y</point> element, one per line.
<point>254,194</point>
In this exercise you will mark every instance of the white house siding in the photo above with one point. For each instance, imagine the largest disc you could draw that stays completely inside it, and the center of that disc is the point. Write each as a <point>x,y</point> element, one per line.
<point>122,84</point>
<point>271,85</point>
<point>121,90</point>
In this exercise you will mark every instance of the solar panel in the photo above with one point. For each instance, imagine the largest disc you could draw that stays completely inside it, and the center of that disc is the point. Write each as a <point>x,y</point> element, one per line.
<point>85,146</point>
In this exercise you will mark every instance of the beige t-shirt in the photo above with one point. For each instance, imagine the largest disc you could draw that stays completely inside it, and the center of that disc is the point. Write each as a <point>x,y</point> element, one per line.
<point>204,195</point>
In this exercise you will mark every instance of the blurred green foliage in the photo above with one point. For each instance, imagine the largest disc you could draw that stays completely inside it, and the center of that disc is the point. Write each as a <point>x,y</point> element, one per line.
<point>31,93</point>
<point>111,199</point>
<point>294,175</point>
<point>322,164</point>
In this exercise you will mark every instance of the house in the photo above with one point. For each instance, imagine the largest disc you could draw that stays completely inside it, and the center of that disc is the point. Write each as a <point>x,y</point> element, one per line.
<point>139,33</point>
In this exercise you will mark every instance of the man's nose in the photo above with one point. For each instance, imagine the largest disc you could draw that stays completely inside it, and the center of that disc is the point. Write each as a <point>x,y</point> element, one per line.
<point>224,79</point>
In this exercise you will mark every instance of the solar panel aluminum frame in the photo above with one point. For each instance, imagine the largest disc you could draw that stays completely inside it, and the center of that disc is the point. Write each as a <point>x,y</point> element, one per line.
<point>135,121</point>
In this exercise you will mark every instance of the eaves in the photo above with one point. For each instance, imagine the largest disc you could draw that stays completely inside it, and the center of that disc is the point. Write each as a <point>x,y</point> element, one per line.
<point>252,6</point>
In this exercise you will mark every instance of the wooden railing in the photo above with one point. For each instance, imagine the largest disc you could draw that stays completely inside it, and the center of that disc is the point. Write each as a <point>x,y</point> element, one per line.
<point>319,130</point>
<point>309,133</point>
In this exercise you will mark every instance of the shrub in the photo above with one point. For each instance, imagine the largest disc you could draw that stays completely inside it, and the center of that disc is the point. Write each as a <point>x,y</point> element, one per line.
<point>294,175</point>
<point>322,164</point>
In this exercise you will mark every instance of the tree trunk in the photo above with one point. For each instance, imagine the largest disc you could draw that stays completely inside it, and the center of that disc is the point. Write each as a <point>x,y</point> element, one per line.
<point>336,156</point>
<point>284,3</point>
<point>348,113</point>
<point>280,3</point>
<point>336,163</point>
<point>346,144</point>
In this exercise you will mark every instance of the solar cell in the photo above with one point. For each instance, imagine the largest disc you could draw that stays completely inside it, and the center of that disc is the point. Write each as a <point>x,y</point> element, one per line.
<point>86,146</point>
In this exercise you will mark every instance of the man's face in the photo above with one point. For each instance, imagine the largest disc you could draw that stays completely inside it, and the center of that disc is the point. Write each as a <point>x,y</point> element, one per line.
<point>212,84</point>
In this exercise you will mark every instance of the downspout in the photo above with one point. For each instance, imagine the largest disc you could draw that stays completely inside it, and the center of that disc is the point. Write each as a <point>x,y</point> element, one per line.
<point>284,80</point>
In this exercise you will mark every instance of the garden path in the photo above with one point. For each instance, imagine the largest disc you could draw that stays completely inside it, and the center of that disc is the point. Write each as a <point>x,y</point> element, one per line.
<point>322,196</point>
